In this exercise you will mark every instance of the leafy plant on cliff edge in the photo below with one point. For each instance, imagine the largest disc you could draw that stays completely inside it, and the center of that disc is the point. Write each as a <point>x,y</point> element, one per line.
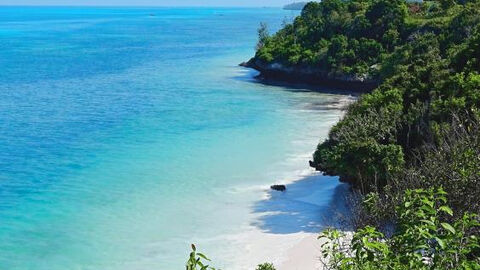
<point>421,239</point>
<point>265,266</point>
<point>196,261</point>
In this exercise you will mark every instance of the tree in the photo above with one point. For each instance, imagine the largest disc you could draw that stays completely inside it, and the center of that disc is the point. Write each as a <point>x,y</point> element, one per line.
<point>446,4</point>
<point>263,35</point>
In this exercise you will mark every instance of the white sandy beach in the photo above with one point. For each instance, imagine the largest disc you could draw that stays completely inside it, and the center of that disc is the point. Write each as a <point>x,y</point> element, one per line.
<point>303,255</point>
<point>286,252</point>
<point>287,224</point>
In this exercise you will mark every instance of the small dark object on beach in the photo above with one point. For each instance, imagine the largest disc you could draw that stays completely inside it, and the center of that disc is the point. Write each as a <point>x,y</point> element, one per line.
<point>279,187</point>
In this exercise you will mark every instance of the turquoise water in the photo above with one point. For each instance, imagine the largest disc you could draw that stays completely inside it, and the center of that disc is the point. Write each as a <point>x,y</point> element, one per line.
<point>128,133</point>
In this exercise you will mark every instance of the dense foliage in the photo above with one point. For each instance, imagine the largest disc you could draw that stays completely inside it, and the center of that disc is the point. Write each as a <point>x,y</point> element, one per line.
<point>419,129</point>
<point>421,240</point>
<point>427,57</point>
<point>345,37</point>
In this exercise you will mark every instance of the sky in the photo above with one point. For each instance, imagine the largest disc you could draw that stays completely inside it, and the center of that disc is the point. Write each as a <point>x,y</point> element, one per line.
<point>149,2</point>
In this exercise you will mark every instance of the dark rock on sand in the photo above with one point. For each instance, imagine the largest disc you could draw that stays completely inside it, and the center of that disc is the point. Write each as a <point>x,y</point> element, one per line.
<point>279,187</point>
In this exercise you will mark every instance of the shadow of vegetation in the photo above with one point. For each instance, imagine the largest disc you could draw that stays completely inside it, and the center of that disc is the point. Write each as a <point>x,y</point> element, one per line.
<point>308,205</point>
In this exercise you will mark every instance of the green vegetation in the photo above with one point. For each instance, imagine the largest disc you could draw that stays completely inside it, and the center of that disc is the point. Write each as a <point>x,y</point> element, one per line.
<point>420,127</point>
<point>413,143</point>
<point>418,130</point>
<point>421,239</point>
<point>427,58</point>
<point>341,37</point>
<point>265,266</point>
<point>197,261</point>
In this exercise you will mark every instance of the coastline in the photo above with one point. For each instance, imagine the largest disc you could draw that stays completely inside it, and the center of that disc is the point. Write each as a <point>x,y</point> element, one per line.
<point>194,132</point>
<point>286,225</point>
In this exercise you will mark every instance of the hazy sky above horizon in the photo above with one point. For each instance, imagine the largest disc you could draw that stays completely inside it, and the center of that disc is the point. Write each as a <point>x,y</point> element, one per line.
<point>149,2</point>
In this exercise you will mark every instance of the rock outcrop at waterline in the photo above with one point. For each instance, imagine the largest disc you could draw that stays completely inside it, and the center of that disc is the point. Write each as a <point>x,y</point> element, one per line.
<point>306,74</point>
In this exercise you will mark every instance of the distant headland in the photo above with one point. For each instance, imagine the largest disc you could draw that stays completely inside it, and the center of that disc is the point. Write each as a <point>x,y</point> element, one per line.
<point>295,6</point>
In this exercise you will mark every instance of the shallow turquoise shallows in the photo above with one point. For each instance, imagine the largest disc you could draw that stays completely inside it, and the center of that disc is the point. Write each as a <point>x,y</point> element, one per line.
<point>128,133</point>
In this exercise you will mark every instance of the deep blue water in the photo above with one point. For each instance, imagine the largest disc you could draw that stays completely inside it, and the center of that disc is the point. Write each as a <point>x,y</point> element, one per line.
<point>127,133</point>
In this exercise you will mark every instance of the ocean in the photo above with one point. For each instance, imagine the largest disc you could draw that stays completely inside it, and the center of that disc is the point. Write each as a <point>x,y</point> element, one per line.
<point>128,133</point>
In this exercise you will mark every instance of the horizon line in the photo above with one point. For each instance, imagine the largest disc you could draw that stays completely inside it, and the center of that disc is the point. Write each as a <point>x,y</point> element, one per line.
<point>140,6</point>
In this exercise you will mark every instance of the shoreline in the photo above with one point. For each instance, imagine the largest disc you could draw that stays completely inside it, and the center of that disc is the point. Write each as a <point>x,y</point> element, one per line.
<point>286,225</point>
<point>282,227</point>
<point>304,203</point>
<point>311,203</point>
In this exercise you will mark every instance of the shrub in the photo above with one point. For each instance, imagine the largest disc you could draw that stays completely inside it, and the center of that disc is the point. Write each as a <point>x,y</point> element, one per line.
<point>265,266</point>
<point>422,240</point>
<point>197,261</point>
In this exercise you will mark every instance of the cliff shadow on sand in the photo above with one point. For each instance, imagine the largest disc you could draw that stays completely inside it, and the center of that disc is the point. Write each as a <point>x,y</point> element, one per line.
<point>308,205</point>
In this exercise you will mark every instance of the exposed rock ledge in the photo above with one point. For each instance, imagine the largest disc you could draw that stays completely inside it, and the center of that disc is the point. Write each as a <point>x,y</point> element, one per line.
<point>301,74</point>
